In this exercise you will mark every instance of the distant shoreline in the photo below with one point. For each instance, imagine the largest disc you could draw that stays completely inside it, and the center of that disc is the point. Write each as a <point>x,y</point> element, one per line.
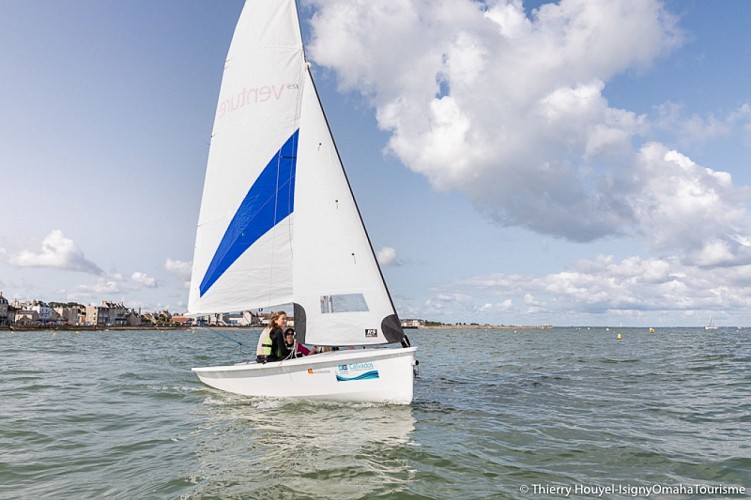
<point>30,328</point>
<point>88,328</point>
<point>488,327</point>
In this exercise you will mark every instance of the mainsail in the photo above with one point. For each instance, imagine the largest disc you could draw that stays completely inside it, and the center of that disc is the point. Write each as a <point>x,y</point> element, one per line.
<point>278,221</point>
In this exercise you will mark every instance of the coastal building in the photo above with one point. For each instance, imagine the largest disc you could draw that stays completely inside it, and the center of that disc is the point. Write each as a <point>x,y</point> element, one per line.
<point>238,319</point>
<point>181,320</point>
<point>45,314</point>
<point>35,313</point>
<point>97,315</point>
<point>31,313</point>
<point>26,317</point>
<point>133,318</point>
<point>70,315</point>
<point>4,308</point>
<point>111,314</point>
<point>162,317</point>
<point>245,318</point>
<point>118,313</point>
<point>412,323</point>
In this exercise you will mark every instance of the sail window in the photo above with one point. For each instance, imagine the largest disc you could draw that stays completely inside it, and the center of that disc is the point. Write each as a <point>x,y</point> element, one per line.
<point>347,302</point>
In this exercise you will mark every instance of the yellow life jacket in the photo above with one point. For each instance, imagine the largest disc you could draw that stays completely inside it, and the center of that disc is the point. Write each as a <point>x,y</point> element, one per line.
<point>264,343</point>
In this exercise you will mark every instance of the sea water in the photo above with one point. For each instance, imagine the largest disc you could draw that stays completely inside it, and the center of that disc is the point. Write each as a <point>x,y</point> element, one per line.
<point>566,412</point>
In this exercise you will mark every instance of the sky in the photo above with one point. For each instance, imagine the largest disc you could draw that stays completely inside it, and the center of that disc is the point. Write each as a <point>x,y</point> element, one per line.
<point>524,163</point>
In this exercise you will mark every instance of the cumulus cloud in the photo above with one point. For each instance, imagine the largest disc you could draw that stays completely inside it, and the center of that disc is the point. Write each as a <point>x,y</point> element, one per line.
<point>103,287</point>
<point>674,120</point>
<point>446,303</point>
<point>604,287</point>
<point>113,286</point>
<point>490,307</point>
<point>144,280</point>
<point>179,268</point>
<point>387,257</point>
<point>690,205</point>
<point>57,252</point>
<point>508,107</point>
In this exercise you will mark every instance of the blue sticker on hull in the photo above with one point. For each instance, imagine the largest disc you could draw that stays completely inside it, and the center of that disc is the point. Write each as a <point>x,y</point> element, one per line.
<point>270,200</point>
<point>373,374</point>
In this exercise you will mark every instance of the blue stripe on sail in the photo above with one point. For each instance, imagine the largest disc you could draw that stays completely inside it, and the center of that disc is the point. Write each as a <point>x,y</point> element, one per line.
<point>270,199</point>
<point>364,376</point>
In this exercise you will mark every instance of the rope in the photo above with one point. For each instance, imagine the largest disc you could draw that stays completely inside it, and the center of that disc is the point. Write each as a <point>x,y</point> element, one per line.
<point>225,336</point>
<point>293,353</point>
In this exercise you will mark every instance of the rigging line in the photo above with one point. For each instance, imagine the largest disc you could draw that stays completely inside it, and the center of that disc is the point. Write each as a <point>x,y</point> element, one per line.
<point>225,336</point>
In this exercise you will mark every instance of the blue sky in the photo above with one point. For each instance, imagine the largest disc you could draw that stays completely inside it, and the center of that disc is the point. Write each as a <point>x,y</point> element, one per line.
<point>571,163</point>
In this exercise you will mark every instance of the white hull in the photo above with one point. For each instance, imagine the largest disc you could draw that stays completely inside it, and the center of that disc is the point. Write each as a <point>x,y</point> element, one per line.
<point>361,375</point>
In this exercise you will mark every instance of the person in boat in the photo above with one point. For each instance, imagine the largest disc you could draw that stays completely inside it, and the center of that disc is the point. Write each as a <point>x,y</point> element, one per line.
<point>318,349</point>
<point>279,349</point>
<point>296,349</point>
<point>265,348</point>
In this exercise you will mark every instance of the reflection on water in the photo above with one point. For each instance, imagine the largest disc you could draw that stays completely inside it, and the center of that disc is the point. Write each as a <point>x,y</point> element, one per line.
<point>259,447</point>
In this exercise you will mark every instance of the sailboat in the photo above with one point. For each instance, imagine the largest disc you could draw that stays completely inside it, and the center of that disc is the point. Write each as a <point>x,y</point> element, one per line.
<point>279,225</point>
<point>710,325</point>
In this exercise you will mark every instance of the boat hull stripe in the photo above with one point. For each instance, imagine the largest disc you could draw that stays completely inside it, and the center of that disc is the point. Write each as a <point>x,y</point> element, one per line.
<point>373,374</point>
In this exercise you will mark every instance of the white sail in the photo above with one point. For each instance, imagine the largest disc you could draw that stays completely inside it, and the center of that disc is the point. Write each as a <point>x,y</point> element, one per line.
<point>337,281</point>
<point>711,325</point>
<point>242,256</point>
<point>278,221</point>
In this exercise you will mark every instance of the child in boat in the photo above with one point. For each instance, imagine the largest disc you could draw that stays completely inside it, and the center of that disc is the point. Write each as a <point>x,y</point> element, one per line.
<point>295,348</point>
